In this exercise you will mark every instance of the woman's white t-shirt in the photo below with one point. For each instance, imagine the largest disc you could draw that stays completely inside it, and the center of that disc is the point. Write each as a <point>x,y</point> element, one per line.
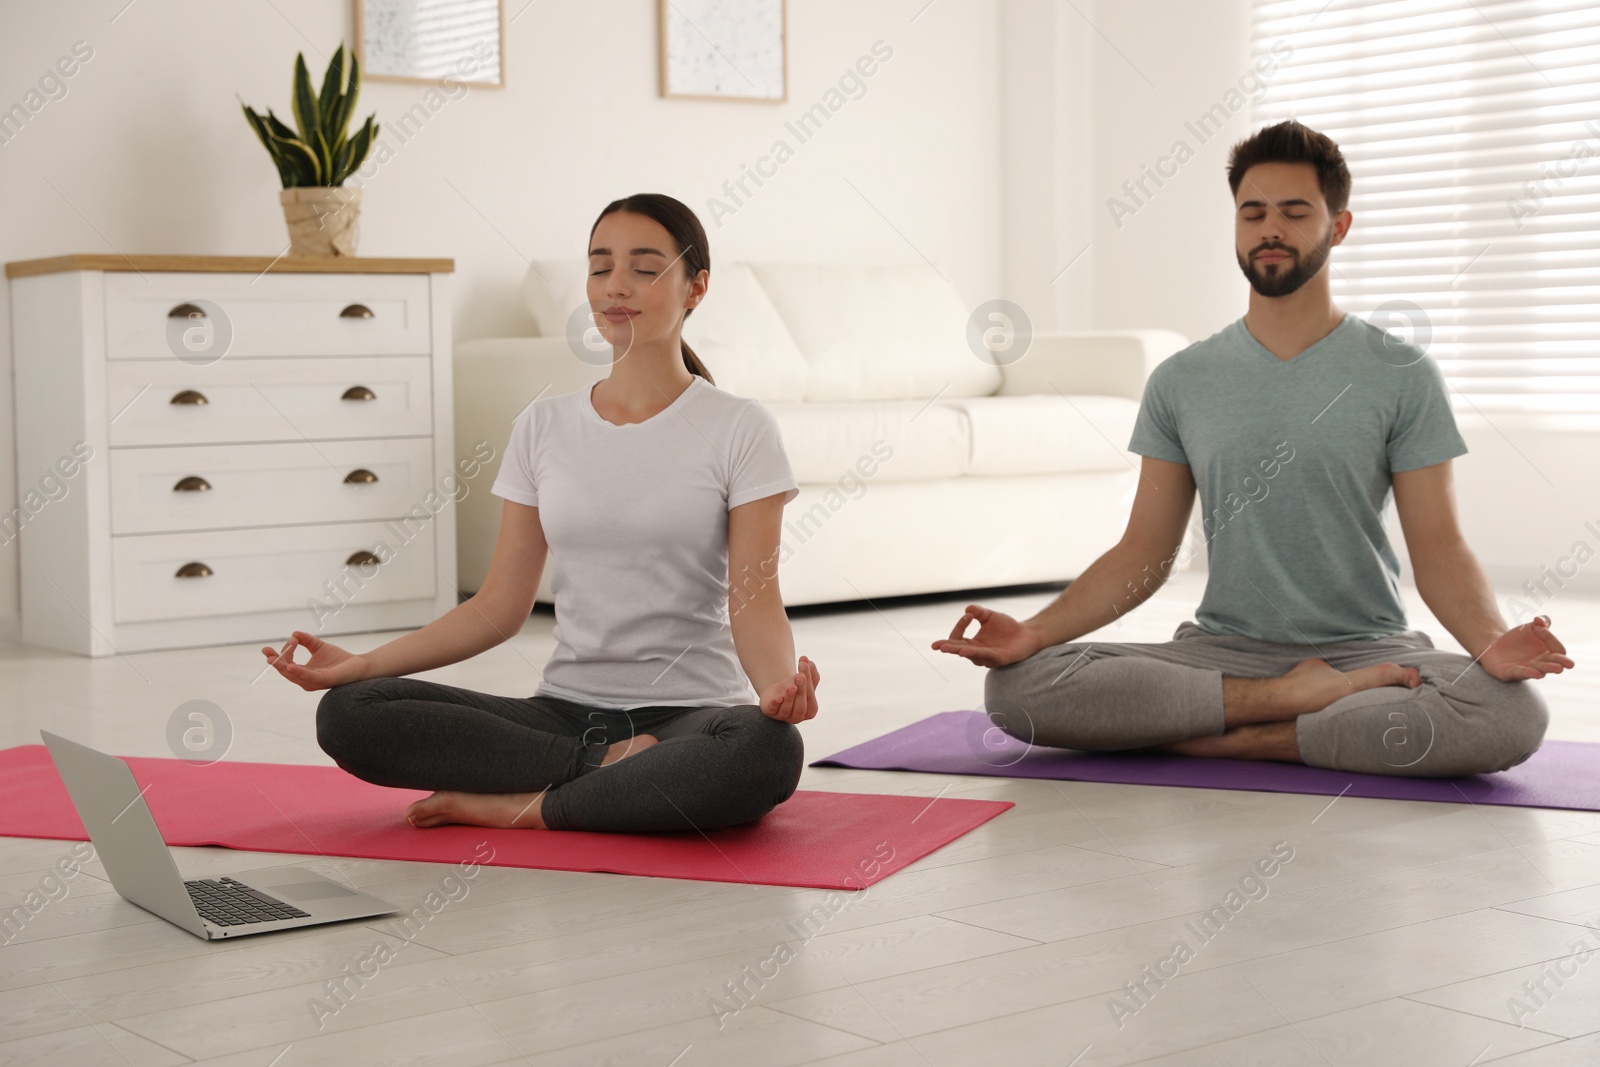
<point>636,517</point>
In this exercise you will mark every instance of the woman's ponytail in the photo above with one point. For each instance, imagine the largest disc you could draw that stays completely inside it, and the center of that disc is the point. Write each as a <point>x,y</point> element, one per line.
<point>692,361</point>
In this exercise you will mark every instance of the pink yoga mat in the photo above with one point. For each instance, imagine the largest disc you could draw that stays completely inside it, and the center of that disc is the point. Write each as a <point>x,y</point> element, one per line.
<point>815,840</point>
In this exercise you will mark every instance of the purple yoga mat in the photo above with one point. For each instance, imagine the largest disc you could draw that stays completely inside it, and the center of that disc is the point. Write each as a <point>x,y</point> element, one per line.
<point>1562,774</point>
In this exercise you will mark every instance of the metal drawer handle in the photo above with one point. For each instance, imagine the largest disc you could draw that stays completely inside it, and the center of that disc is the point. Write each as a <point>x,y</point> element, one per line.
<point>359,392</point>
<point>356,311</point>
<point>193,570</point>
<point>189,396</point>
<point>187,311</point>
<point>192,484</point>
<point>360,476</point>
<point>362,559</point>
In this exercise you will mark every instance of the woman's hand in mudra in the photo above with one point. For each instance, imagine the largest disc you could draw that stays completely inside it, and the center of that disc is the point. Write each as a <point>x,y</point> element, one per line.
<point>328,666</point>
<point>793,699</point>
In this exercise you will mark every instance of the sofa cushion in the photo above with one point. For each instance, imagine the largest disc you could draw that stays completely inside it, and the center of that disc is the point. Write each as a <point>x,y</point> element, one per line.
<point>878,332</point>
<point>735,330</point>
<point>740,337</point>
<point>884,441</point>
<point>1049,434</point>
<point>551,289</point>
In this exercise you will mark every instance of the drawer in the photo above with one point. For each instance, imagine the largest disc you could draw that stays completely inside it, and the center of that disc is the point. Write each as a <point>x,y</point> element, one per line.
<point>265,315</point>
<point>290,567</point>
<point>268,400</point>
<point>200,487</point>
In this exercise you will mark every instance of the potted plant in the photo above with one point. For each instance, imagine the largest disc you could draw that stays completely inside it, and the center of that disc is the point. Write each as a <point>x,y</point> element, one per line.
<point>314,160</point>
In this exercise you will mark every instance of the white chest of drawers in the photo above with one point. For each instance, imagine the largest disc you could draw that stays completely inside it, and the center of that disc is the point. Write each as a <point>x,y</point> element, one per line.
<point>216,449</point>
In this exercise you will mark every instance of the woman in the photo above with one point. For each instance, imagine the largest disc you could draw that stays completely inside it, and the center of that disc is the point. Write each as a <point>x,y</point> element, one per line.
<point>657,711</point>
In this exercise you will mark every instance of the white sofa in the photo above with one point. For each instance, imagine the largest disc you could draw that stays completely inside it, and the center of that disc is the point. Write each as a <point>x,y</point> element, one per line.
<point>923,467</point>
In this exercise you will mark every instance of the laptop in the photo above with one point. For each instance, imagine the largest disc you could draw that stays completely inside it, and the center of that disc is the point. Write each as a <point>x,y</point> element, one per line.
<point>142,870</point>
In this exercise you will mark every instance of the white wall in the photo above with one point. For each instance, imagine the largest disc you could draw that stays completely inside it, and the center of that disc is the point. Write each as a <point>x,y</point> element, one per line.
<point>147,152</point>
<point>1047,96</point>
<point>1095,90</point>
<point>1170,263</point>
<point>1530,493</point>
<point>989,144</point>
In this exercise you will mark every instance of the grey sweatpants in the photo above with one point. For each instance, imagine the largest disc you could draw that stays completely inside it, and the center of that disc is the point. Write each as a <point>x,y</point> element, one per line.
<point>1460,721</point>
<point>714,766</point>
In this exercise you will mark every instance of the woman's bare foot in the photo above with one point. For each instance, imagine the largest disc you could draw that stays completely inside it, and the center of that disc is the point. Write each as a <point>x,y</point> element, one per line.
<point>631,747</point>
<point>1267,740</point>
<point>1312,685</point>
<point>504,810</point>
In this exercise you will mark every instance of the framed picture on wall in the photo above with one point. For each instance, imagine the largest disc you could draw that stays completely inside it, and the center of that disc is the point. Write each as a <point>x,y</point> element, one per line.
<point>430,42</point>
<point>724,49</point>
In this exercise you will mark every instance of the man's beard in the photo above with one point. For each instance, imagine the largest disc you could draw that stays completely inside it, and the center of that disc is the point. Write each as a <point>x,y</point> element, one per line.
<point>1287,279</point>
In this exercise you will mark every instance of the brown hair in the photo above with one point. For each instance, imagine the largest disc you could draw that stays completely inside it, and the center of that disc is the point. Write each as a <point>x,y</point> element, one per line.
<point>684,227</point>
<point>1290,142</point>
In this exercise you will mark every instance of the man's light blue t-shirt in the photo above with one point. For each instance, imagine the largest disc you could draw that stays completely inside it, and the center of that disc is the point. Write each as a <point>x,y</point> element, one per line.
<point>1293,460</point>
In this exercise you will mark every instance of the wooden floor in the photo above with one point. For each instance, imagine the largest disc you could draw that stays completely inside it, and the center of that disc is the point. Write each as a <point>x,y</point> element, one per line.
<point>1399,933</point>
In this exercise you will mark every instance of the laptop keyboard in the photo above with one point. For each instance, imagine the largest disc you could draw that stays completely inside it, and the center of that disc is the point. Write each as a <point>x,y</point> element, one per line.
<point>226,902</point>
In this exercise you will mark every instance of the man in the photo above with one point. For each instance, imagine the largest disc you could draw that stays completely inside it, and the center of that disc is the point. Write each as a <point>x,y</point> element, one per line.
<point>1295,424</point>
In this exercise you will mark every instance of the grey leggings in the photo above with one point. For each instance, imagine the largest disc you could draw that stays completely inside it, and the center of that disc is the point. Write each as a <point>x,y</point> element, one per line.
<point>1460,721</point>
<point>714,767</point>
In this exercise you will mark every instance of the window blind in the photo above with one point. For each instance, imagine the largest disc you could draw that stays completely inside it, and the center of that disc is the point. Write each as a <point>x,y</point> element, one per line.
<point>1472,131</point>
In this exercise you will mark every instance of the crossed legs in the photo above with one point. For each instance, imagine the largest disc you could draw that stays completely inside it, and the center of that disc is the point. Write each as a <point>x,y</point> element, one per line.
<point>541,762</point>
<point>1390,706</point>
<point>1260,715</point>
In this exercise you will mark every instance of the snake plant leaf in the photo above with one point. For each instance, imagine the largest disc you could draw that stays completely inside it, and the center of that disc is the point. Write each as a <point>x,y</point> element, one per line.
<point>347,102</point>
<point>282,133</point>
<point>332,86</point>
<point>307,168</point>
<point>286,173</point>
<point>279,127</point>
<point>305,104</point>
<point>355,151</point>
<point>258,124</point>
<point>368,140</point>
<point>319,145</point>
<point>342,156</point>
<point>341,164</point>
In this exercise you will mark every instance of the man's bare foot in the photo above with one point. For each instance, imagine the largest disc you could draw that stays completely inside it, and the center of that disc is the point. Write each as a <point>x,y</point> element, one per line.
<point>631,747</point>
<point>504,810</point>
<point>1312,685</point>
<point>1267,740</point>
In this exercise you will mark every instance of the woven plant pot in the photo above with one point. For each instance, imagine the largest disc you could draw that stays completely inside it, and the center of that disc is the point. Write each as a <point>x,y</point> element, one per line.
<point>324,220</point>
